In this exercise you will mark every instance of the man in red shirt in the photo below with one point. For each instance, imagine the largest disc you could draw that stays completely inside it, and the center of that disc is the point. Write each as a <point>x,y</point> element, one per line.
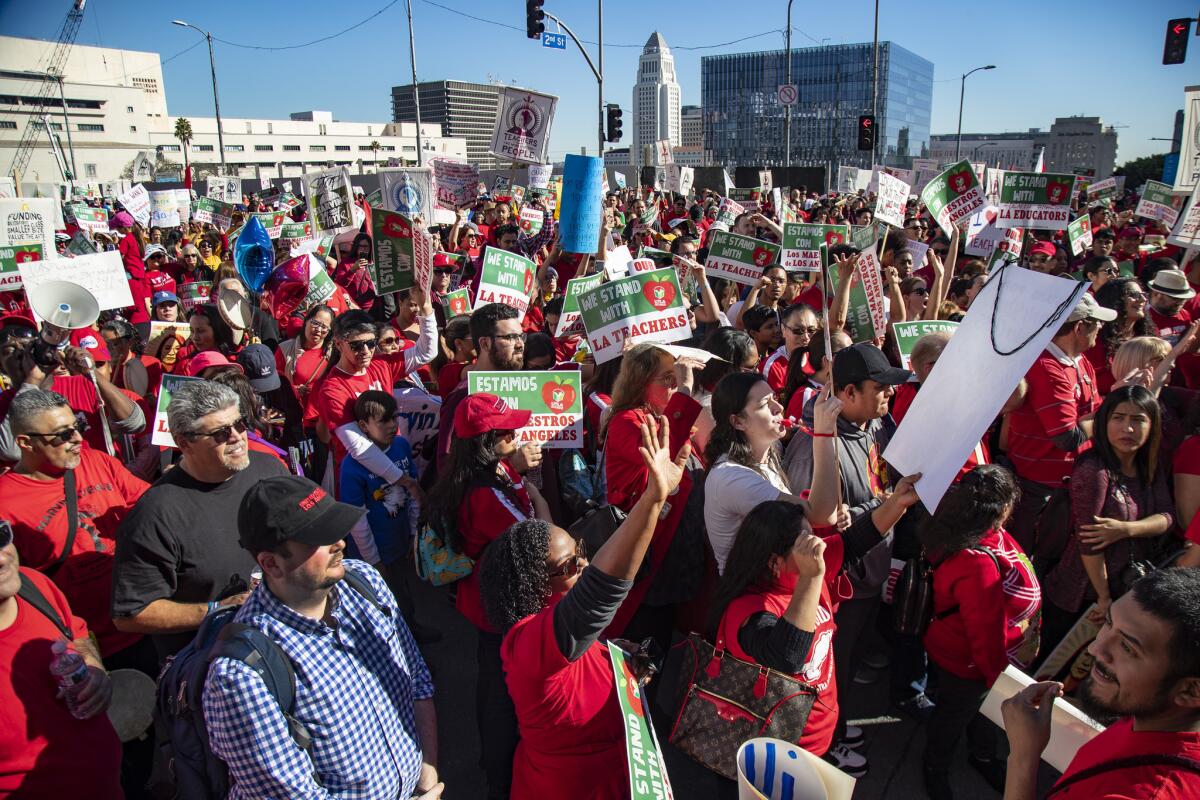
<point>45,750</point>
<point>1054,423</point>
<point>1169,293</point>
<point>1147,675</point>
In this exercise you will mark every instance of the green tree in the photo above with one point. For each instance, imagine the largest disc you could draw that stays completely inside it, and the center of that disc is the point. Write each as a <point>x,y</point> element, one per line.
<point>375,148</point>
<point>183,132</point>
<point>1140,170</point>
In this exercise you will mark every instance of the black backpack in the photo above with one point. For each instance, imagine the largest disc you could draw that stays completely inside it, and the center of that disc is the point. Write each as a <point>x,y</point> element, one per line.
<point>185,767</point>
<point>912,598</point>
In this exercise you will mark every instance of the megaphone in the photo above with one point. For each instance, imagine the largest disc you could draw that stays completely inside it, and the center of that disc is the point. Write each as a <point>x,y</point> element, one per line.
<point>64,304</point>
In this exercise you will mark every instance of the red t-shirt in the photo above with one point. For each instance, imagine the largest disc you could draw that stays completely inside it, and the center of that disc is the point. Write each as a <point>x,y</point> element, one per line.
<point>38,514</point>
<point>44,750</point>
<point>818,667</point>
<point>1157,781</point>
<point>1170,328</point>
<point>449,376</point>
<point>813,297</point>
<point>572,737</point>
<point>334,395</point>
<point>80,393</point>
<point>774,367</point>
<point>1059,395</point>
<point>139,287</point>
<point>1187,458</point>
<point>487,512</point>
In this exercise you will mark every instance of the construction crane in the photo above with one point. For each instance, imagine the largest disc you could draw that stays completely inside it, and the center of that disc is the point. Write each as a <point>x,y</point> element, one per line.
<point>58,57</point>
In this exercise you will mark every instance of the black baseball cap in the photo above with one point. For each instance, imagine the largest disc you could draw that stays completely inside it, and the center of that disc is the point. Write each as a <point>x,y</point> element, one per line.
<point>258,362</point>
<point>865,361</point>
<point>291,508</point>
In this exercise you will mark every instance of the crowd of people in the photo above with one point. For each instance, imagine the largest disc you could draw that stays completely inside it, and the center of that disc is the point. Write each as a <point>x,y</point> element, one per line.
<point>319,446</point>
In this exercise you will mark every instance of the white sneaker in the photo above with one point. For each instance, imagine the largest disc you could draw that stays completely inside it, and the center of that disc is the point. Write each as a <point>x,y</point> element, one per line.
<point>848,761</point>
<point>853,737</point>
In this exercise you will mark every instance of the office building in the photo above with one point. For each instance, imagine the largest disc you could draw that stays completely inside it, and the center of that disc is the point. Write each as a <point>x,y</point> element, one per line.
<point>655,111</point>
<point>744,122</point>
<point>462,109</point>
<point>116,109</point>
<point>1012,151</point>
<point>1073,145</point>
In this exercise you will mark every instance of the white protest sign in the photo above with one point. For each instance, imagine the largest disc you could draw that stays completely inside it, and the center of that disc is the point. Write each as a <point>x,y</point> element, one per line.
<point>893,195</point>
<point>679,179</point>
<point>928,164</point>
<point>160,435</point>
<point>764,180</point>
<point>28,220</point>
<point>8,187</point>
<point>954,412</point>
<point>224,188</point>
<point>869,275</point>
<point>456,184</point>
<point>1157,202</point>
<point>183,203</point>
<point>523,122</point>
<point>330,200</point>
<point>539,175</point>
<point>619,177</point>
<point>164,212</point>
<point>852,179</point>
<point>1186,232</point>
<point>408,191</point>
<point>137,203</point>
<point>1187,175</point>
<point>102,274</point>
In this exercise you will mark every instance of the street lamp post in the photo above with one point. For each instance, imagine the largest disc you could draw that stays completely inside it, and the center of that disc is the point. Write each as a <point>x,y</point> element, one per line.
<point>787,125</point>
<point>412,56</point>
<point>212,65</point>
<point>961,93</point>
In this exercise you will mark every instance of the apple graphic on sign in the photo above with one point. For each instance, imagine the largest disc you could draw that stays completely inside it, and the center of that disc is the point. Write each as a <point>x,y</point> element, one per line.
<point>25,256</point>
<point>960,181</point>
<point>833,238</point>
<point>762,256</point>
<point>1057,192</point>
<point>558,397</point>
<point>458,305</point>
<point>396,228</point>
<point>528,281</point>
<point>660,294</point>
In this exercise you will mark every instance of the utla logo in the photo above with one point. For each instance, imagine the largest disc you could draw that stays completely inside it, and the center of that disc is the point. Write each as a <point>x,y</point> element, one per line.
<point>395,228</point>
<point>762,256</point>
<point>833,238</point>
<point>558,396</point>
<point>458,305</point>
<point>1057,192</point>
<point>528,280</point>
<point>960,181</point>
<point>25,256</point>
<point>659,294</point>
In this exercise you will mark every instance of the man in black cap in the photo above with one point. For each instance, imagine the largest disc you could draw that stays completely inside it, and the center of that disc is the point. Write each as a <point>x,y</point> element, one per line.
<point>864,381</point>
<point>366,696</point>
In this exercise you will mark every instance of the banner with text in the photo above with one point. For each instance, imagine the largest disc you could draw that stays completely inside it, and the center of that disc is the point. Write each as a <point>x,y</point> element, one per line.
<point>647,307</point>
<point>1158,202</point>
<point>456,183</point>
<point>893,196</point>
<point>907,334</point>
<point>10,257</point>
<point>507,279</point>
<point>802,244</point>
<point>1079,232</point>
<point>523,122</point>
<point>329,199</point>
<point>739,258</point>
<point>953,195</point>
<point>582,198</point>
<point>554,396</point>
<point>213,212</point>
<point>1035,201</point>
<point>137,202</point>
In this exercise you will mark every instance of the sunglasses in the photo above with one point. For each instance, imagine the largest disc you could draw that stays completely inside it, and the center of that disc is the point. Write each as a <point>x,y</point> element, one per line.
<point>6,533</point>
<point>388,340</point>
<point>573,565</point>
<point>921,292</point>
<point>363,345</point>
<point>444,272</point>
<point>59,438</point>
<point>802,330</point>
<point>224,433</point>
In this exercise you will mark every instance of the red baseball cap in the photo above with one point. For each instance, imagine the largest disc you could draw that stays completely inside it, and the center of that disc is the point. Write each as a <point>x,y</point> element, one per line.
<point>1130,232</point>
<point>1043,248</point>
<point>210,358</point>
<point>479,413</point>
<point>93,343</point>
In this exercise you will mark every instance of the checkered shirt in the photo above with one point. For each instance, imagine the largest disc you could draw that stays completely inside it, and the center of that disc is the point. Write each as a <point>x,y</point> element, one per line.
<point>356,680</point>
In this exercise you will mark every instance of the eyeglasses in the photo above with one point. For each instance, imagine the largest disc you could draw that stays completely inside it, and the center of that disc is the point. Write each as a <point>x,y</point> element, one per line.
<point>224,433</point>
<point>389,340</point>
<point>318,326</point>
<point>573,565</point>
<point>1136,296</point>
<point>511,337</point>
<point>921,292</point>
<point>59,438</point>
<point>362,345</point>
<point>802,330</point>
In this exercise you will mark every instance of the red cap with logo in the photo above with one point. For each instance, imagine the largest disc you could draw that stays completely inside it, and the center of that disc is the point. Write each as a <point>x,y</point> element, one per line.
<point>479,413</point>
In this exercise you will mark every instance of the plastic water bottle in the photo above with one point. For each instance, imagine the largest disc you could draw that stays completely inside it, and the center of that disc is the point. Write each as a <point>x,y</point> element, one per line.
<point>69,670</point>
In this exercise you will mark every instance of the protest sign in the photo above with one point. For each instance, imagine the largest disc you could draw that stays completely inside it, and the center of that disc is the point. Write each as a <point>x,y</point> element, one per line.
<point>647,307</point>
<point>224,188</point>
<point>642,265</point>
<point>852,179</point>
<point>869,270</point>
<point>616,261</point>
<point>739,258</point>
<point>992,185</point>
<point>501,184</point>
<point>408,191</point>
<point>137,202</point>
<point>1157,202</point>
<point>1186,232</point>
<point>1035,200</point>
<point>183,203</point>
<point>764,180</point>
<point>80,245</point>
<point>954,412</point>
<point>647,771</point>
<point>530,221</point>
<point>619,177</point>
<point>89,220</point>
<point>272,222</point>
<point>163,210</point>
<point>680,179</point>
<point>747,197</point>
<point>919,164</point>
<point>953,195</point>
<point>8,187</point>
<point>193,294</point>
<point>523,122</point>
<point>329,200</point>
<point>539,175</point>
<point>456,183</point>
<point>102,274</point>
<point>893,195</point>
<point>802,244</point>
<point>214,212</point>
<point>663,154</point>
<point>660,179</point>
<point>320,285</point>
<point>25,220</point>
<point>1008,248</point>
<point>296,231</point>
<point>1102,190</point>
<point>10,257</point>
<point>457,302</point>
<point>161,435</point>
<point>375,199</point>
<point>863,236</point>
<point>158,329</point>
<point>727,212</point>
<point>1187,174</point>
<point>580,214</point>
<point>507,278</point>
<point>289,201</point>
<point>392,238</point>
<point>1079,232</point>
<point>982,233</point>
<point>554,396</point>
<point>907,334</point>
<point>570,322</point>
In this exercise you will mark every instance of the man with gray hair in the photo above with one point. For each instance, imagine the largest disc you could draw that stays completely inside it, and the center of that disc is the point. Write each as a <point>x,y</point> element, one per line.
<point>177,552</point>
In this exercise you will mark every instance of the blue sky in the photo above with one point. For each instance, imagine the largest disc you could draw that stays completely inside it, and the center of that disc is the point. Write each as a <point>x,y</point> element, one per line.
<point>1053,57</point>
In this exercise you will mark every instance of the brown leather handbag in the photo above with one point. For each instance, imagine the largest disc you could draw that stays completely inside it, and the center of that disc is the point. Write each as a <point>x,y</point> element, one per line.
<point>723,701</point>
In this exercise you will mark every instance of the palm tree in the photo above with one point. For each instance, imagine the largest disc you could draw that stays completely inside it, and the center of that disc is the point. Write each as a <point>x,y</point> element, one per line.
<point>183,132</point>
<point>375,147</point>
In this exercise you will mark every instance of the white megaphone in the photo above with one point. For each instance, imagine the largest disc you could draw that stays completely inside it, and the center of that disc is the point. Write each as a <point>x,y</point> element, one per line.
<point>64,304</point>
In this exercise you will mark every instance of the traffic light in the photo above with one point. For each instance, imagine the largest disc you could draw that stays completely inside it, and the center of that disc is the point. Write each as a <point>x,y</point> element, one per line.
<point>866,132</point>
<point>1175,48</point>
<point>533,18</point>
<point>614,123</point>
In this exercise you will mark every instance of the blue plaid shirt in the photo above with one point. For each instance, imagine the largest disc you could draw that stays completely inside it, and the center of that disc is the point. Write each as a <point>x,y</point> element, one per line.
<point>356,680</point>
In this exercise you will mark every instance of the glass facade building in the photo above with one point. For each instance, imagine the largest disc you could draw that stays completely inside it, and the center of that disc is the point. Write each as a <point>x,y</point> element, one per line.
<point>744,122</point>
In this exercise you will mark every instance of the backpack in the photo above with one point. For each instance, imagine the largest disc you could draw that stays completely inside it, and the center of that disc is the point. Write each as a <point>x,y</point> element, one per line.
<point>185,767</point>
<point>912,597</point>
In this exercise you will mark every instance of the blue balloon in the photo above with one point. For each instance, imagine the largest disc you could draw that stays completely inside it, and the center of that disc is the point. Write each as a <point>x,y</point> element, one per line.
<point>253,255</point>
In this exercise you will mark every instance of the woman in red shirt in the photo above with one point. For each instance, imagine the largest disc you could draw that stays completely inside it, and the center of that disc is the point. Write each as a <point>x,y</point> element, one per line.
<point>986,615</point>
<point>651,382</point>
<point>482,492</point>
<point>538,589</point>
<point>353,275</point>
